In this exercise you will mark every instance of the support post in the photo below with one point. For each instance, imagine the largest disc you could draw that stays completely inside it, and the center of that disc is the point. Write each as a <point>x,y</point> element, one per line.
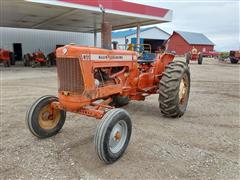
<point>106,32</point>
<point>95,38</point>
<point>106,35</point>
<point>138,34</point>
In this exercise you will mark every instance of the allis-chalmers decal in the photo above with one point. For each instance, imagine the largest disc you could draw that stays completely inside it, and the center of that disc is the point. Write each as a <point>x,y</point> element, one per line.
<point>96,57</point>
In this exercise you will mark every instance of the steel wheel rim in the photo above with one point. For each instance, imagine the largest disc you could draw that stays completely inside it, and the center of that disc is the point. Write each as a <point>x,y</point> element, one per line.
<point>46,120</point>
<point>183,89</point>
<point>118,136</point>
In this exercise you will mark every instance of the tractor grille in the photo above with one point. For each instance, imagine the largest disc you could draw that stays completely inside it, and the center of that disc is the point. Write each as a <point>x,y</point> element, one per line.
<point>70,75</point>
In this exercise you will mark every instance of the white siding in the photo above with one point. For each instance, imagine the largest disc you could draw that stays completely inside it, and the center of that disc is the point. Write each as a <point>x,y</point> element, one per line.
<point>46,41</point>
<point>119,40</point>
<point>153,33</point>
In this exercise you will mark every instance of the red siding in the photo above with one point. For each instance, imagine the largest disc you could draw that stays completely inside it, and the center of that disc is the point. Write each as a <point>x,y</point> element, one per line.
<point>180,46</point>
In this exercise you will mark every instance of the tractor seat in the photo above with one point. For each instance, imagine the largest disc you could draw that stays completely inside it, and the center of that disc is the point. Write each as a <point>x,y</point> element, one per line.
<point>147,57</point>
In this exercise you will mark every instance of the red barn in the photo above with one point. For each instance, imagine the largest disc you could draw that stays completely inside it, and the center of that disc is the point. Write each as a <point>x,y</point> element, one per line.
<point>182,42</point>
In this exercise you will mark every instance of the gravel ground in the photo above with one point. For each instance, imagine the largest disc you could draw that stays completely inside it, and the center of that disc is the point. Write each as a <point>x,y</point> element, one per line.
<point>203,144</point>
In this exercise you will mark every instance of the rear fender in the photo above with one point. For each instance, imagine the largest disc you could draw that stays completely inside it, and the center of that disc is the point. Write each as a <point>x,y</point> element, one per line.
<point>161,62</point>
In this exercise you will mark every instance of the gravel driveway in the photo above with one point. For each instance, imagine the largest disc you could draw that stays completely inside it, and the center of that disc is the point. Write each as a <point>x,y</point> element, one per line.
<point>203,144</point>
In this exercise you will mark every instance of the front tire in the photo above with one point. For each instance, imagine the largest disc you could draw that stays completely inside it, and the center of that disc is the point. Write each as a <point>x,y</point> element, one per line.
<point>34,64</point>
<point>48,63</point>
<point>174,89</point>
<point>42,63</point>
<point>119,101</point>
<point>41,122</point>
<point>113,135</point>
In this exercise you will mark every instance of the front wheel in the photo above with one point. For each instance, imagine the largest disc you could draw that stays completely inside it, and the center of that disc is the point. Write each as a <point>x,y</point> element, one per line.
<point>43,63</point>
<point>119,101</point>
<point>174,89</point>
<point>113,135</point>
<point>34,64</point>
<point>42,120</point>
<point>48,63</point>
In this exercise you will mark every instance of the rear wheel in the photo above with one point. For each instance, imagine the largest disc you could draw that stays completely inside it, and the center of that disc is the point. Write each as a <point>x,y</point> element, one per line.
<point>174,89</point>
<point>12,60</point>
<point>200,59</point>
<point>234,60</point>
<point>26,60</point>
<point>113,135</point>
<point>42,121</point>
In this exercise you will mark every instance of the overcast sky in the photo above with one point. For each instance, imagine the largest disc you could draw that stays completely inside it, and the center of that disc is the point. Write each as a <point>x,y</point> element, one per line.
<point>217,19</point>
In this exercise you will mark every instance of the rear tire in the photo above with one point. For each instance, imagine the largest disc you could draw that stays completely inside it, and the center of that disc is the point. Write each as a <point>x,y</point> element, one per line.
<point>234,60</point>
<point>12,60</point>
<point>200,59</point>
<point>174,89</point>
<point>113,135</point>
<point>40,121</point>
<point>26,60</point>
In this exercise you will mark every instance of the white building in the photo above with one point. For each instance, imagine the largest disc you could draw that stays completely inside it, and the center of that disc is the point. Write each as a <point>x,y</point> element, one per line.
<point>22,41</point>
<point>151,35</point>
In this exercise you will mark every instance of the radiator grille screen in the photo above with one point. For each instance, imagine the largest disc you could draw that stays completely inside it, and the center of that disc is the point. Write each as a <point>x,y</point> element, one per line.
<point>69,75</point>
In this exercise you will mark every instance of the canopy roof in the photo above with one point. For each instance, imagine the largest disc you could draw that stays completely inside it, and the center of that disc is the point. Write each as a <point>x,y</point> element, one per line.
<point>78,15</point>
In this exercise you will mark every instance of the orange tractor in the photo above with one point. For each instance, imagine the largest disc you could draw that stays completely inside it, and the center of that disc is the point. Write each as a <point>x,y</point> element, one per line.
<point>5,57</point>
<point>96,82</point>
<point>93,81</point>
<point>234,56</point>
<point>194,55</point>
<point>37,58</point>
